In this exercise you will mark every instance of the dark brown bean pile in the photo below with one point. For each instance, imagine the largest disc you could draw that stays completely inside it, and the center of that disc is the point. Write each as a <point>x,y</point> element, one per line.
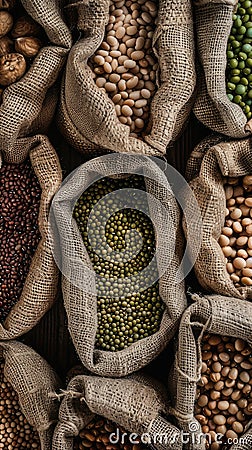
<point>15,431</point>
<point>19,233</point>
<point>21,39</point>
<point>224,393</point>
<point>96,436</point>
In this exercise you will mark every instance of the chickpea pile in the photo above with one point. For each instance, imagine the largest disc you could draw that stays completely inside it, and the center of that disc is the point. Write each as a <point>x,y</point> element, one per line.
<point>21,38</point>
<point>123,317</point>
<point>224,393</point>
<point>236,236</point>
<point>124,66</point>
<point>15,431</point>
<point>239,58</point>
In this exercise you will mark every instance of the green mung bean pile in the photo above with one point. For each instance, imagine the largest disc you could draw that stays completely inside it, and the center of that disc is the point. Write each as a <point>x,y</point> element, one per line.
<point>123,316</point>
<point>97,435</point>
<point>239,58</point>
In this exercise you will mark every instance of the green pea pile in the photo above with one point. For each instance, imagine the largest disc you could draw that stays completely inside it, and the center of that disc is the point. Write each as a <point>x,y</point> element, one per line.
<point>119,258</point>
<point>239,58</point>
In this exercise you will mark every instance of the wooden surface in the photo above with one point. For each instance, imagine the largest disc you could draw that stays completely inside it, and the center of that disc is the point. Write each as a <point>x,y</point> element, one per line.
<point>50,337</point>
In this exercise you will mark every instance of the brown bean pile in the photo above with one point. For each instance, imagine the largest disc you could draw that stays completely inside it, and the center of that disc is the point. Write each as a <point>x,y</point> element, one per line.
<point>124,66</point>
<point>21,38</point>
<point>95,436</point>
<point>224,393</point>
<point>15,431</point>
<point>236,237</point>
<point>19,233</point>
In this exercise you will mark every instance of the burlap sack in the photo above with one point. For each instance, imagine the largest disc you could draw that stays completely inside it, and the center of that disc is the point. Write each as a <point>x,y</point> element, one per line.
<point>28,105</point>
<point>41,284</point>
<point>207,166</point>
<point>212,106</point>
<point>137,403</point>
<point>33,380</point>
<point>86,115</point>
<point>81,304</point>
<point>214,314</point>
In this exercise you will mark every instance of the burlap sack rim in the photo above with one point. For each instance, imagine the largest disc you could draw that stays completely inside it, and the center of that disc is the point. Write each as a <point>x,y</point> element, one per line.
<point>206,325</point>
<point>150,145</point>
<point>51,59</point>
<point>242,130</point>
<point>222,163</point>
<point>143,147</point>
<point>68,424</point>
<point>45,426</point>
<point>165,314</point>
<point>49,189</point>
<point>224,2</point>
<point>138,379</point>
<point>45,52</point>
<point>63,46</point>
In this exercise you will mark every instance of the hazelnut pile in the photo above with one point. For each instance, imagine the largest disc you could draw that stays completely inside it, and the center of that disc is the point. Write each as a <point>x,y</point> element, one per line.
<point>236,236</point>
<point>15,431</point>
<point>124,65</point>
<point>21,38</point>
<point>224,392</point>
<point>96,436</point>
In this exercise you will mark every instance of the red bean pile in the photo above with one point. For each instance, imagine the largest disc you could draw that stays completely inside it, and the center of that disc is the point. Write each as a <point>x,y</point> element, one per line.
<point>224,393</point>
<point>15,432</point>
<point>19,233</point>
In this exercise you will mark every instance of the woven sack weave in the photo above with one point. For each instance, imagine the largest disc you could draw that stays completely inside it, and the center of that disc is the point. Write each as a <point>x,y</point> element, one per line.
<point>33,380</point>
<point>81,304</point>
<point>224,316</point>
<point>212,106</point>
<point>136,403</point>
<point>206,169</point>
<point>41,283</point>
<point>87,116</point>
<point>29,104</point>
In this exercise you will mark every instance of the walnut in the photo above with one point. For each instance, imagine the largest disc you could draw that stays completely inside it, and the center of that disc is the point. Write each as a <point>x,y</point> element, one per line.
<point>7,4</point>
<point>28,46</point>
<point>26,26</point>
<point>12,68</point>
<point>6,23</point>
<point>6,45</point>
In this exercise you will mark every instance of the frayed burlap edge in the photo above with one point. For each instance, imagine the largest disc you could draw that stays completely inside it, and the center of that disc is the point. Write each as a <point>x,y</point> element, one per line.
<point>86,111</point>
<point>41,284</point>
<point>24,100</point>
<point>212,106</point>
<point>80,303</point>
<point>214,314</point>
<point>33,380</point>
<point>207,168</point>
